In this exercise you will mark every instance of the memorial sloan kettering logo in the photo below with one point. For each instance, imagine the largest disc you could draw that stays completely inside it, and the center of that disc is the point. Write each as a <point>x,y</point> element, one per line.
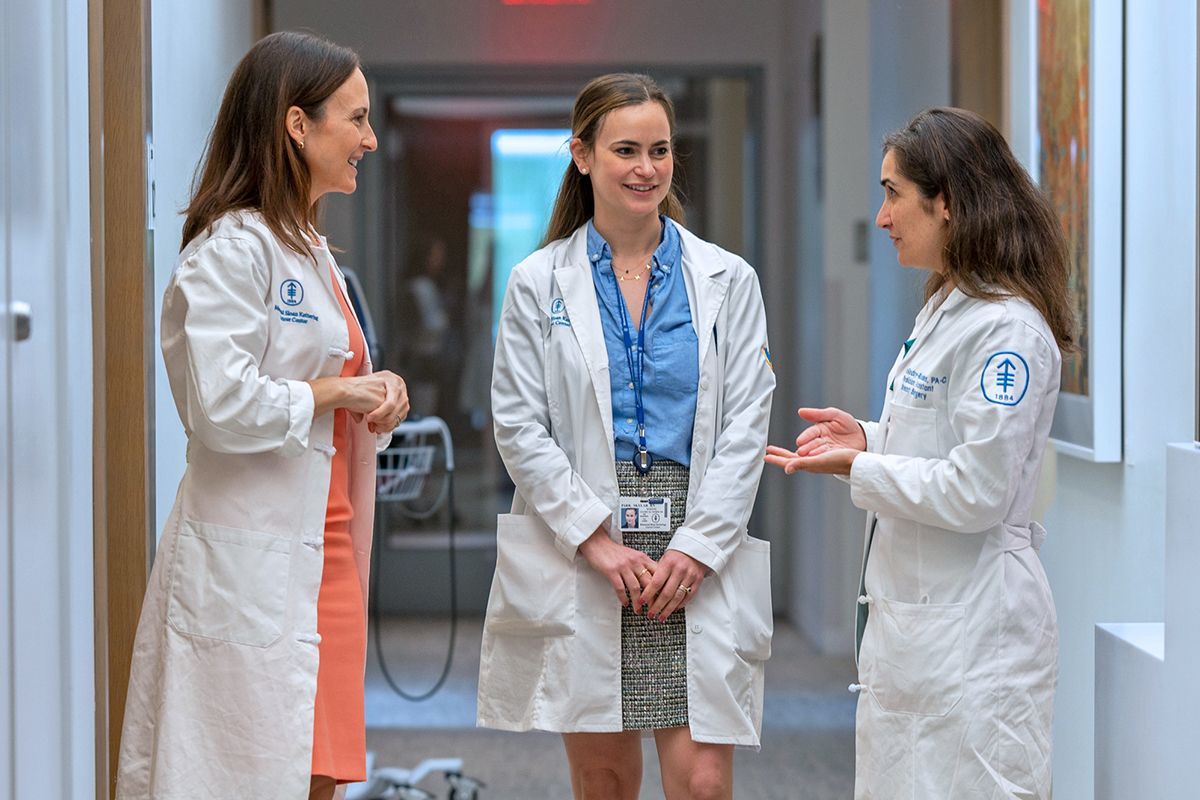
<point>1005,378</point>
<point>291,293</point>
<point>558,313</point>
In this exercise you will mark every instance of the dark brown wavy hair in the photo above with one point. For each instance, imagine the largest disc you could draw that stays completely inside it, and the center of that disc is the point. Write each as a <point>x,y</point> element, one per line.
<point>575,203</point>
<point>250,161</point>
<point>1003,236</point>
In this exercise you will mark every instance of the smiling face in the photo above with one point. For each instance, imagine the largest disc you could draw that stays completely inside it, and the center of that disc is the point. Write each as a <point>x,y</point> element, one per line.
<point>917,226</point>
<point>631,163</point>
<point>334,143</point>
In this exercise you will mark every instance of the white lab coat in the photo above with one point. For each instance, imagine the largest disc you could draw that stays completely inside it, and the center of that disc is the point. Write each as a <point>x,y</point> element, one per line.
<point>224,668</point>
<point>959,653</point>
<point>551,655</point>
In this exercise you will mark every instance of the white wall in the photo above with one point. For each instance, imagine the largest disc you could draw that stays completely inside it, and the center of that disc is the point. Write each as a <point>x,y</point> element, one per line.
<point>194,48</point>
<point>1105,552</point>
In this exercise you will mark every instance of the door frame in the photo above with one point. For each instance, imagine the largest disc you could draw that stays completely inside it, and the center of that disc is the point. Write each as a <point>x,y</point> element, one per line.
<point>123,363</point>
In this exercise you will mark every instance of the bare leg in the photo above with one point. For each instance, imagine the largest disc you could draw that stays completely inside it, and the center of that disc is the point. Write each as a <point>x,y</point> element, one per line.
<point>321,788</point>
<point>605,766</point>
<point>694,770</point>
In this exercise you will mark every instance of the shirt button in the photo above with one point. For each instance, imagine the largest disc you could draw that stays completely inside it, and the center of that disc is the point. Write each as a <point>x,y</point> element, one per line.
<point>697,627</point>
<point>631,384</point>
<point>629,421</point>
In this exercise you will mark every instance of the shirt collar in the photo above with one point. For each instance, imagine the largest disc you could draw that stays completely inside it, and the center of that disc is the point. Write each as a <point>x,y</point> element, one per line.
<point>666,257</point>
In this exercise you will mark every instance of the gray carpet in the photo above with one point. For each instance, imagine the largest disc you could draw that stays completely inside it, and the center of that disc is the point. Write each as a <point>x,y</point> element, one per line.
<point>807,741</point>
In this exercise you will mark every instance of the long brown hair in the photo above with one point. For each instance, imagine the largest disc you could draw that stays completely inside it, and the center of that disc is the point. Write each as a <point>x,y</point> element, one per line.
<point>250,161</point>
<point>575,203</point>
<point>1003,237</point>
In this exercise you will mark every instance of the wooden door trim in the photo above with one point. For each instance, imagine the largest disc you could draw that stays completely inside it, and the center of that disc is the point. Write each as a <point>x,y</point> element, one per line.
<point>123,387</point>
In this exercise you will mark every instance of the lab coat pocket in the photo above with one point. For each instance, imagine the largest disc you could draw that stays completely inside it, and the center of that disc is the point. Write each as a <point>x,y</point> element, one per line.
<point>747,577</point>
<point>533,591</point>
<point>913,656</point>
<point>912,431</point>
<point>229,584</point>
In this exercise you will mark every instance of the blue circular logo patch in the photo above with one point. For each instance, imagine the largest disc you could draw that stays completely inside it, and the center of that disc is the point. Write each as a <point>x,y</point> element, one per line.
<point>291,292</point>
<point>1005,378</point>
<point>557,306</point>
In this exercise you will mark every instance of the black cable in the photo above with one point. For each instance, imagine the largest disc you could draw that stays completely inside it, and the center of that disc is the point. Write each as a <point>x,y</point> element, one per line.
<point>387,676</point>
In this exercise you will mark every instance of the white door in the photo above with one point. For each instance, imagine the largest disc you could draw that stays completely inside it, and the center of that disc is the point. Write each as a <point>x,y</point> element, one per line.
<point>46,657</point>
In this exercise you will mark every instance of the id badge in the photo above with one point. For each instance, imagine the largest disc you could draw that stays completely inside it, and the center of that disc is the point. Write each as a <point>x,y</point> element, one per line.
<point>645,514</point>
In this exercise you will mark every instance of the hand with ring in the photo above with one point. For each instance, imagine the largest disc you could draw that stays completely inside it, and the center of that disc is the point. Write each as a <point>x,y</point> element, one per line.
<point>625,568</point>
<point>674,584</point>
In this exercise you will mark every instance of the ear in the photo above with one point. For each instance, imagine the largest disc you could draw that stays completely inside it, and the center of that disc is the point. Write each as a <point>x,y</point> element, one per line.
<point>579,154</point>
<point>942,208</point>
<point>297,124</point>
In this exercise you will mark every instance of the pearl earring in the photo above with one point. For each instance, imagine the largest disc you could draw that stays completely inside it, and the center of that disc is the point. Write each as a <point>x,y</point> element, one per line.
<point>300,145</point>
<point>583,171</point>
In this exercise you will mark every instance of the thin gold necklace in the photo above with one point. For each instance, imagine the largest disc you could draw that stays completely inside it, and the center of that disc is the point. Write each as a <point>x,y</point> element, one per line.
<point>636,277</point>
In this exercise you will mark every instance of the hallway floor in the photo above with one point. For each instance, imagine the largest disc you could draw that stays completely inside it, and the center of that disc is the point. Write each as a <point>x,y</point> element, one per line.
<point>807,739</point>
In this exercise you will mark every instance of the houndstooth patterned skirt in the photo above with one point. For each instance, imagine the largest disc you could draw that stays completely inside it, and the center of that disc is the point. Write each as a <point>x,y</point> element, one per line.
<point>654,653</point>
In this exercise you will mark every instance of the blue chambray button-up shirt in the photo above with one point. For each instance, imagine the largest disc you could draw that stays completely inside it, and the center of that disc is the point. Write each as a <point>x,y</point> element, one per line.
<point>672,368</point>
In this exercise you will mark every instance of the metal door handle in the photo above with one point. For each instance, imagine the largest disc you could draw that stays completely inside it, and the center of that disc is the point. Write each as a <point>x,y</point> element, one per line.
<point>20,313</point>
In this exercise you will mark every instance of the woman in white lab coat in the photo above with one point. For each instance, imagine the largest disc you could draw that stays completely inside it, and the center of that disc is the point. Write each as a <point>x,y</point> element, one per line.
<point>602,625</point>
<point>247,669</point>
<point>956,639</point>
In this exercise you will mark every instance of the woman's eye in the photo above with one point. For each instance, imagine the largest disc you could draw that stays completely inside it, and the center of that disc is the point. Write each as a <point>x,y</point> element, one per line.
<point>624,151</point>
<point>662,152</point>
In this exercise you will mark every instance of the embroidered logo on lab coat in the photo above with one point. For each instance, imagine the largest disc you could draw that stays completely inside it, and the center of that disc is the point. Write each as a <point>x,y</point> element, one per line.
<point>1005,378</point>
<point>558,313</point>
<point>291,292</point>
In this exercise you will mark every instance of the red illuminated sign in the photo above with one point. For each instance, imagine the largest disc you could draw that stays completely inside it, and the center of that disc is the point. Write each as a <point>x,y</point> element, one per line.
<point>547,2</point>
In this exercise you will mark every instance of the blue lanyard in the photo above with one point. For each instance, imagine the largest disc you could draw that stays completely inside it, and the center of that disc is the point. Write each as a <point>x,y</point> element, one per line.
<point>641,459</point>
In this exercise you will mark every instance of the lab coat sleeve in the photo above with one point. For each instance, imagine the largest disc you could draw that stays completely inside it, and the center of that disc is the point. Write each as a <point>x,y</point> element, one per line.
<point>972,487</point>
<point>538,467</point>
<point>870,430</point>
<point>230,405</point>
<point>721,507</point>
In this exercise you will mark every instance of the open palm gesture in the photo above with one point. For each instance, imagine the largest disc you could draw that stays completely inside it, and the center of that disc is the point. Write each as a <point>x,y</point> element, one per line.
<point>829,445</point>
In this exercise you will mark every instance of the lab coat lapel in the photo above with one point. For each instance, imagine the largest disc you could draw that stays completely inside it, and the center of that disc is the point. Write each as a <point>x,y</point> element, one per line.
<point>574,279</point>
<point>927,320</point>
<point>706,290</point>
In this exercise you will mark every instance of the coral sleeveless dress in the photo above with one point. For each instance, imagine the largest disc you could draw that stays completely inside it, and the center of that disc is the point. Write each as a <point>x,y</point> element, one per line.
<point>339,730</point>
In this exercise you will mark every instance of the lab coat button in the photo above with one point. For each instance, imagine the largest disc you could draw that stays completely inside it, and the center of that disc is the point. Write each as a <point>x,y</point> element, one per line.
<point>697,627</point>
<point>704,382</point>
<point>699,447</point>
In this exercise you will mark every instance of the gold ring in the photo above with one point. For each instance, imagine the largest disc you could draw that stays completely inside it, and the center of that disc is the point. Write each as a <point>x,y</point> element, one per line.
<point>687,589</point>
<point>643,572</point>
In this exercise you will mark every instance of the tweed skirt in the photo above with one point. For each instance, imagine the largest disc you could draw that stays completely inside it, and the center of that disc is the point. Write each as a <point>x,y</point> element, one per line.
<point>654,653</point>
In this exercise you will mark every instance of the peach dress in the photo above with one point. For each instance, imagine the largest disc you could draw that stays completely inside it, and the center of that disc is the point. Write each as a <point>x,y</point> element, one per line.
<point>339,730</point>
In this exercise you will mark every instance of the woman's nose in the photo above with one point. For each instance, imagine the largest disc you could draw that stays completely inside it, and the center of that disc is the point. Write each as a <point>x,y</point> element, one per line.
<point>883,219</point>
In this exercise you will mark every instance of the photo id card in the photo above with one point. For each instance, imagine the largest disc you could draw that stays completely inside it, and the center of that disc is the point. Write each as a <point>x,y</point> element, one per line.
<point>645,514</point>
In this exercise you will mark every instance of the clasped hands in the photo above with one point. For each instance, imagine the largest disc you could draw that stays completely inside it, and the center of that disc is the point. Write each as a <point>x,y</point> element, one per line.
<point>379,397</point>
<point>642,581</point>
<point>828,446</point>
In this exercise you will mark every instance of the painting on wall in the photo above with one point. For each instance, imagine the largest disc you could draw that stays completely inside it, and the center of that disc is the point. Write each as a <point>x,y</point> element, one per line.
<point>1078,97</point>
<point>1062,104</point>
